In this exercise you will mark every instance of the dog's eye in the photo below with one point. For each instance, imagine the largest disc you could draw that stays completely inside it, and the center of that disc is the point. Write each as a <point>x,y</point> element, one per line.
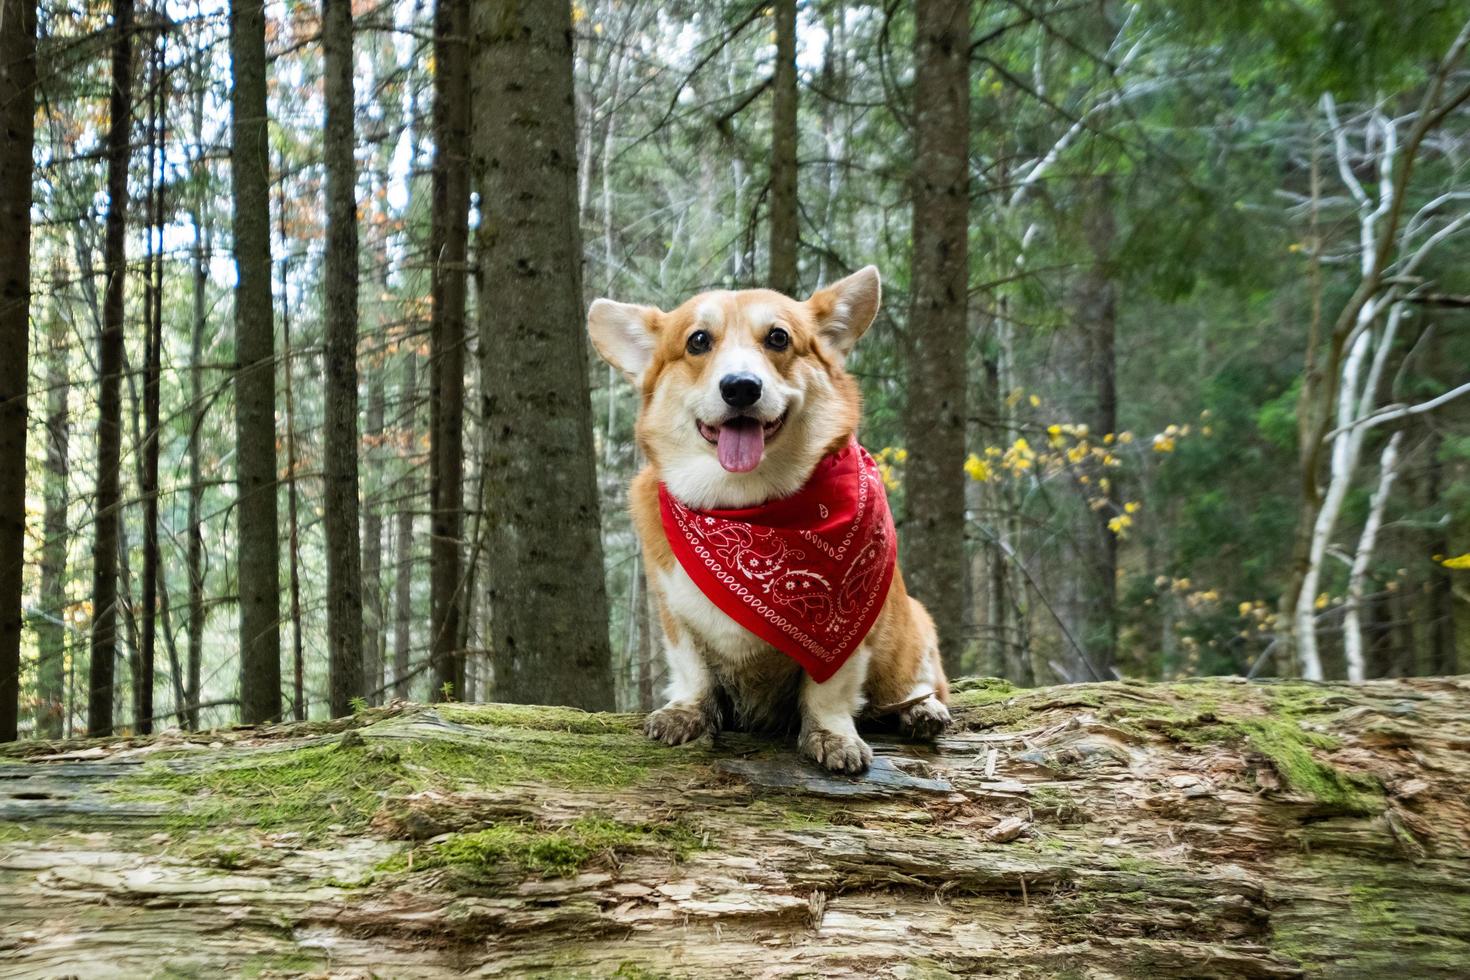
<point>778,339</point>
<point>698,342</point>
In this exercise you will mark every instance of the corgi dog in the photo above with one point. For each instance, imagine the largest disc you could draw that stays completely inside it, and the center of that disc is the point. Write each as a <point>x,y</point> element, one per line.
<point>744,401</point>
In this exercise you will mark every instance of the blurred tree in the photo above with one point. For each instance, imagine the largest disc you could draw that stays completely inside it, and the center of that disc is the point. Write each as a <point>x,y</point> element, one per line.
<point>935,408</point>
<point>255,373</point>
<point>547,592</point>
<point>17,124</point>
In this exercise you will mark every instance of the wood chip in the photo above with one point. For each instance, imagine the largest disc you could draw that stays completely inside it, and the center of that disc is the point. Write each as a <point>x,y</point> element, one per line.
<point>1007,830</point>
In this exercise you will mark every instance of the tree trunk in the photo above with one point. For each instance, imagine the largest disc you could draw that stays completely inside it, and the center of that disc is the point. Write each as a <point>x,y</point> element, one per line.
<point>1443,648</point>
<point>372,544</point>
<point>547,593</point>
<point>403,537</point>
<point>1089,370</point>
<point>1200,829</point>
<point>933,531</point>
<point>648,645</point>
<point>340,442</point>
<point>109,379</point>
<point>299,707</point>
<point>152,372</point>
<point>17,143</point>
<point>785,224</point>
<point>255,386</point>
<point>203,254</point>
<point>50,626</point>
<point>448,245</point>
<point>1352,630</point>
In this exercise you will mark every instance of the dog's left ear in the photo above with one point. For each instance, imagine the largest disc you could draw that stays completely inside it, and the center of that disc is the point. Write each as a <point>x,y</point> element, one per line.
<point>845,309</point>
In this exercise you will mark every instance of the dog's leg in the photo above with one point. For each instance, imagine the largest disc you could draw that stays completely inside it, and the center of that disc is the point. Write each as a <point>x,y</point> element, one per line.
<point>691,711</point>
<point>828,731</point>
<point>929,717</point>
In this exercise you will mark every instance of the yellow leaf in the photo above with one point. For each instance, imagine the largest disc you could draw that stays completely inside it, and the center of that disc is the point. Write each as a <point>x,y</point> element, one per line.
<point>1458,562</point>
<point>977,469</point>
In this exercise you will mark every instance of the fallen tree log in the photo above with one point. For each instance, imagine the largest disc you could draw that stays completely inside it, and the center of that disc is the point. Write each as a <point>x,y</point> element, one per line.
<point>1208,828</point>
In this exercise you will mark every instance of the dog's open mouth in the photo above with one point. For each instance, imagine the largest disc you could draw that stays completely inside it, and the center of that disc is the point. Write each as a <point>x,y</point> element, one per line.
<point>740,442</point>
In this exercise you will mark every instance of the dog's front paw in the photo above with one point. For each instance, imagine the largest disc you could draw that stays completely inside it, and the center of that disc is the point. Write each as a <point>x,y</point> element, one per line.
<point>840,753</point>
<point>677,722</point>
<point>927,719</point>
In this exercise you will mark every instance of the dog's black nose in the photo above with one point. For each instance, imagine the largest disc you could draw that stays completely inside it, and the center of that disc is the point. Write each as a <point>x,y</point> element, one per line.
<point>740,390</point>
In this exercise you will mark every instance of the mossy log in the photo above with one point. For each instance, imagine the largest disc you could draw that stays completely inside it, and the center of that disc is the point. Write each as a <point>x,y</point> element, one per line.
<point>1210,828</point>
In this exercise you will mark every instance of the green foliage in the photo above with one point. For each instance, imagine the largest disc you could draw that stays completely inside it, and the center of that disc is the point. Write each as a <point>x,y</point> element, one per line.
<point>1353,47</point>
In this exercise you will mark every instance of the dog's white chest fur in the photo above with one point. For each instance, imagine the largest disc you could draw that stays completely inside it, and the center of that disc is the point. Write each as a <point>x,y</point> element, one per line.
<point>714,631</point>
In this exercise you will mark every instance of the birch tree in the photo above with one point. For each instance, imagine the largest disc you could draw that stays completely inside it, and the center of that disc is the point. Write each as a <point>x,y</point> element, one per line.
<point>1339,402</point>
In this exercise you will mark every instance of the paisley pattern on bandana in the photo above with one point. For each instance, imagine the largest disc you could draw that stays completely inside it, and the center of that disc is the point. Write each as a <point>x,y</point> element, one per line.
<point>807,573</point>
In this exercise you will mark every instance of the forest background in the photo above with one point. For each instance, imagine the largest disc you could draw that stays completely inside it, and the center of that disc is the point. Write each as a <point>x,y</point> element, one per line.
<point>295,400</point>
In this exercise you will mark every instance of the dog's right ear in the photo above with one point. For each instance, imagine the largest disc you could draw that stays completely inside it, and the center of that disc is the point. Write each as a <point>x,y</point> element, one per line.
<point>624,334</point>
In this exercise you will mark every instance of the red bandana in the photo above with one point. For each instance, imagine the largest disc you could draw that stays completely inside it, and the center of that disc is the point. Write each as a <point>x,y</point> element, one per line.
<point>807,573</point>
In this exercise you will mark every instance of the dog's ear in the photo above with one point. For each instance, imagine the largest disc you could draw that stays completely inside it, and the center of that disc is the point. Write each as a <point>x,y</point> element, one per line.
<point>624,334</point>
<point>845,309</point>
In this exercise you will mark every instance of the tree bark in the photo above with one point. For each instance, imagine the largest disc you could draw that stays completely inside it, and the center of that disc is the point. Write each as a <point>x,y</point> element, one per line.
<point>935,409</point>
<point>403,538</point>
<point>1089,565</point>
<point>1444,646</point>
<point>152,376</point>
<point>293,489</point>
<point>1352,630</point>
<point>340,441</point>
<point>109,378</point>
<point>372,543</point>
<point>1203,829</point>
<point>785,224</point>
<point>449,249</point>
<point>203,254</point>
<point>50,626</point>
<point>17,143</point>
<point>547,593</point>
<point>255,385</point>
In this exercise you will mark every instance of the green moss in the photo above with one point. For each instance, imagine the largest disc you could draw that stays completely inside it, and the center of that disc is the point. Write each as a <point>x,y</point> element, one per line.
<point>281,964</point>
<point>305,789</point>
<point>1061,804</point>
<point>1297,698</point>
<point>632,971</point>
<point>1289,748</point>
<point>516,756</point>
<point>311,789</point>
<point>23,833</point>
<point>981,690</point>
<point>555,852</point>
<point>539,718</point>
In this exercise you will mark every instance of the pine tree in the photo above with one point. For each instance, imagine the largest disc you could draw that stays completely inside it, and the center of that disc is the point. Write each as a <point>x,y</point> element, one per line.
<point>344,547</point>
<point>785,227</point>
<point>935,411</point>
<point>255,372</point>
<point>109,378</point>
<point>547,594</point>
<point>448,247</point>
<point>17,141</point>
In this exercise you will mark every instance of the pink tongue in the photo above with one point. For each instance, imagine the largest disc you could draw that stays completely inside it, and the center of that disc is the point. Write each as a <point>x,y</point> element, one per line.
<point>742,443</point>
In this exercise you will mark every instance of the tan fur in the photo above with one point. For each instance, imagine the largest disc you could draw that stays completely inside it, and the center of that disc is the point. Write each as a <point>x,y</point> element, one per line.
<point>824,414</point>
